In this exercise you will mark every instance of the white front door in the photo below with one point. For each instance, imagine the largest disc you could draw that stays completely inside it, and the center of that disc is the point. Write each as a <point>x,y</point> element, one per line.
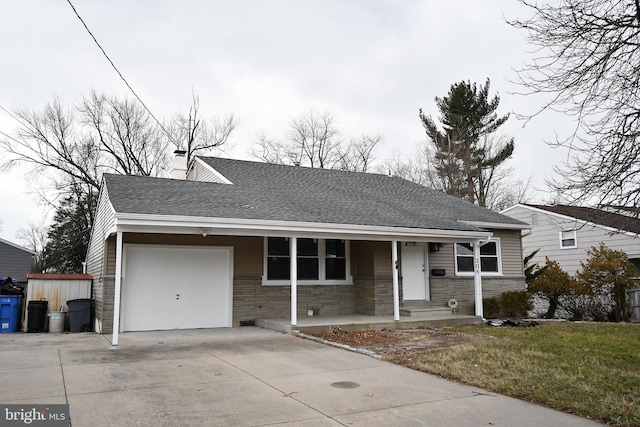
<point>176,287</point>
<point>415,283</point>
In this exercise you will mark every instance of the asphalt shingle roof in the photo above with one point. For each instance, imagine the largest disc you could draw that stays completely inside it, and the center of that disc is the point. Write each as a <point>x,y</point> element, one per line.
<point>264,191</point>
<point>596,216</point>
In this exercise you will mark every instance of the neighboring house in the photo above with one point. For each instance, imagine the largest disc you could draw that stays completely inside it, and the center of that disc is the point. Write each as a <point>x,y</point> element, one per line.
<point>15,261</point>
<point>216,249</point>
<point>565,233</point>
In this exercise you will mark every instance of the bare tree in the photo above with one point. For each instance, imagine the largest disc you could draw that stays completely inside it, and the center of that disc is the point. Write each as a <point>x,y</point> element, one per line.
<point>315,140</point>
<point>50,143</point>
<point>416,169</point>
<point>490,170</point>
<point>34,237</point>
<point>269,150</point>
<point>588,60</point>
<point>124,132</point>
<point>358,155</point>
<point>76,146</point>
<point>197,136</point>
<point>506,193</point>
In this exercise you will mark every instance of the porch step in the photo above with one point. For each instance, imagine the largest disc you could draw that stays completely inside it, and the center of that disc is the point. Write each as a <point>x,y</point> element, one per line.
<point>417,311</point>
<point>416,304</point>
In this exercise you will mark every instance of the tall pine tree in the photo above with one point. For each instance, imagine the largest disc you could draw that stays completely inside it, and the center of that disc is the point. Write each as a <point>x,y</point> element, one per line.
<point>465,155</point>
<point>68,236</point>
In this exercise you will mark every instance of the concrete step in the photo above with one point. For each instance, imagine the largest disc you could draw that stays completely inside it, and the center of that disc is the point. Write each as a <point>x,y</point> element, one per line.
<point>416,304</point>
<point>410,311</point>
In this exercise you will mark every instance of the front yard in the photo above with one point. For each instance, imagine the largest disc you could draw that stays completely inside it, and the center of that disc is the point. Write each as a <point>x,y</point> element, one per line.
<point>589,369</point>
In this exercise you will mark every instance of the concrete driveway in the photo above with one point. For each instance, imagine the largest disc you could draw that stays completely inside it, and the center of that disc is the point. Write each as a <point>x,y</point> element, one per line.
<point>245,377</point>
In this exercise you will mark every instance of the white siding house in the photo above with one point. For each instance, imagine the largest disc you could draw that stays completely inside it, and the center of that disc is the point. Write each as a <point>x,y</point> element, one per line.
<point>565,233</point>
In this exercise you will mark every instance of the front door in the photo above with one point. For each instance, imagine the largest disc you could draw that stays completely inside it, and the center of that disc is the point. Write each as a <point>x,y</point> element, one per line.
<point>415,283</point>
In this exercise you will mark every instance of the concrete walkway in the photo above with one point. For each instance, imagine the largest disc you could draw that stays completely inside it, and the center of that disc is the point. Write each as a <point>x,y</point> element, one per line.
<point>244,377</point>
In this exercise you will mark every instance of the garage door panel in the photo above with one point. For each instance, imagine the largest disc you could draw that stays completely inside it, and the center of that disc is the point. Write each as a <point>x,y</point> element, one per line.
<point>169,287</point>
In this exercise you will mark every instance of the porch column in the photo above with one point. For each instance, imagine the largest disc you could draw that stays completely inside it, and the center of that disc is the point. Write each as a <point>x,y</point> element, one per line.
<point>117,291</point>
<point>477,278</point>
<point>396,292</point>
<point>293,275</point>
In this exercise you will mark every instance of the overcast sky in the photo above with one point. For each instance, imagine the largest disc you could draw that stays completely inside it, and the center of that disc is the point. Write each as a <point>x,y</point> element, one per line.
<point>372,63</point>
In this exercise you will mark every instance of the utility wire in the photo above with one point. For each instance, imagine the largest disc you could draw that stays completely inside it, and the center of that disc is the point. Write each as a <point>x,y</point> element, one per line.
<point>120,74</point>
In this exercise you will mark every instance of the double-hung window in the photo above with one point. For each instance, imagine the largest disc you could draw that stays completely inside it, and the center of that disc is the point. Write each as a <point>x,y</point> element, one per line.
<point>317,260</point>
<point>489,258</point>
<point>568,239</point>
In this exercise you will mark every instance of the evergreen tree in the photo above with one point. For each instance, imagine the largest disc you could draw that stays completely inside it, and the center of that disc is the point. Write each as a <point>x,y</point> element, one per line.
<point>68,236</point>
<point>465,155</point>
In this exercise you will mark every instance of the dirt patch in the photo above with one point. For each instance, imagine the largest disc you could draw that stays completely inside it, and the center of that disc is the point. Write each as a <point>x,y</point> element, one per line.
<point>391,343</point>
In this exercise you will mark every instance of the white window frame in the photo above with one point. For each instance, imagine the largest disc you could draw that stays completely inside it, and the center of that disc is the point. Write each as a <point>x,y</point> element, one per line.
<point>322,256</point>
<point>495,240</point>
<point>562,239</point>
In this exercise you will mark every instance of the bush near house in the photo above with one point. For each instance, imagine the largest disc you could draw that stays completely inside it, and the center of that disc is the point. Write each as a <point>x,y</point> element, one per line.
<point>516,303</point>
<point>607,275</point>
<point>597,293</point>
<point>552,285</point>
<point>509,304</point>
<point>491,307</point>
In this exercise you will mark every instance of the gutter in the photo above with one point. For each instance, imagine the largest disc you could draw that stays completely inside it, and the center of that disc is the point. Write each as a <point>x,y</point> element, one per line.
<point>144,223</point>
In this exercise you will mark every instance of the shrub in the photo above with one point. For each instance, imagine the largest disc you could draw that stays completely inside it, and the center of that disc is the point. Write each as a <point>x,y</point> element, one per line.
<point>491,307</point>
<point>607,275</point>
<point>553,284</point>
<point>532,271</point>
<point>516,303</point>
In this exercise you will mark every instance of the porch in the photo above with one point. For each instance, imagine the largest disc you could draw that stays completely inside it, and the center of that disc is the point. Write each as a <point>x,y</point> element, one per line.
<point>432,318</point>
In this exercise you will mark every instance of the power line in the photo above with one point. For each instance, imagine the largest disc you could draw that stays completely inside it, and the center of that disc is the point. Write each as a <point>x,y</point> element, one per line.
<point>120,74</point>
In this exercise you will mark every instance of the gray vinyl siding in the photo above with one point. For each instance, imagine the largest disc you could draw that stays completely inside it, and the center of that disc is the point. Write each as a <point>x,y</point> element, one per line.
<point>15,262</point>
<point>202,172</point>
<point>510,251</point>
<point>103,284</point>
<point>546,236</point>
<point>103,222</point>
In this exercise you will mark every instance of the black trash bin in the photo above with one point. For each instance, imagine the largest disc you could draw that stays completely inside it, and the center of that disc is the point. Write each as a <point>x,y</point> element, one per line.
<point>79,315</point>
<point>36,315</point>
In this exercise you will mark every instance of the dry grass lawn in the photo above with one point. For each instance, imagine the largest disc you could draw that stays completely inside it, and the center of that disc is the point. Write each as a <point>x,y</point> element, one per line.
<point>589,369</point>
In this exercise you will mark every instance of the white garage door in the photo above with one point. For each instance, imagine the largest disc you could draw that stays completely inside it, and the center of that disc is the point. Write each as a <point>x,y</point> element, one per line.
<point>176,287</point>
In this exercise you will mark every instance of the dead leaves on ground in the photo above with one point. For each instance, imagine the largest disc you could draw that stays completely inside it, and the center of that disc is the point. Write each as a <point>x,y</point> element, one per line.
<point>390,343</point>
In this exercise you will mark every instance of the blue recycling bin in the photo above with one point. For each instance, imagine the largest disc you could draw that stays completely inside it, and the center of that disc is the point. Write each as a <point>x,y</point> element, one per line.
<point>10,312</point>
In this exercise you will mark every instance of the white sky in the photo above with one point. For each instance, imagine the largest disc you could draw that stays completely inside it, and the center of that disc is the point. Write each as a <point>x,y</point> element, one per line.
<point>372,63</point>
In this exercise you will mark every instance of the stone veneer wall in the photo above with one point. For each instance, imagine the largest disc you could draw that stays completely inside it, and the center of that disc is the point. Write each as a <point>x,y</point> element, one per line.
<point>252,300</point>
<point>374,296</point>
<point>462,289</point>
<point>103,292</point>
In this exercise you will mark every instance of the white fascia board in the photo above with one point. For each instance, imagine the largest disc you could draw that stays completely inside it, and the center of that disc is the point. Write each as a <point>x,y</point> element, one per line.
<point>144,223</point>
<point>518,205</point>
<point>581,221</point>
<point>499,225</point>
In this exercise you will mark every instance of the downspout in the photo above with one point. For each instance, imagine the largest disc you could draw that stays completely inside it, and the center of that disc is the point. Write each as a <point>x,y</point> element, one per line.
<point>117,291</point>
<point>396,293</point>
<point>293,274</point>
<point>477,279</point>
